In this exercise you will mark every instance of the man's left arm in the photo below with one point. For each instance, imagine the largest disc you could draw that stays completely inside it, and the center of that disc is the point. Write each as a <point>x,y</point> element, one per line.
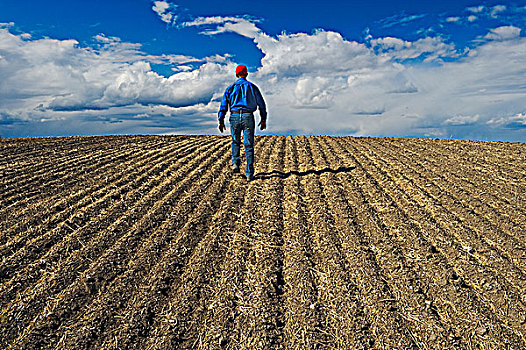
<point>262,108</point>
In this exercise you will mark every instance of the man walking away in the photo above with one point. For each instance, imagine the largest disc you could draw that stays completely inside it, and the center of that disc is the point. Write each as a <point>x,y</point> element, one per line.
<point>243,98</point>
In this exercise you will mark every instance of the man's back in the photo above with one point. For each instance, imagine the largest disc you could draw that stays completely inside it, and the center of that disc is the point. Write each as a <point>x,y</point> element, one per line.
<point>243,95</point>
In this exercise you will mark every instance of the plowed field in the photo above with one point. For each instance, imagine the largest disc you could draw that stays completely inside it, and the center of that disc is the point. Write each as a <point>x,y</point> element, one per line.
<point>149,242</point>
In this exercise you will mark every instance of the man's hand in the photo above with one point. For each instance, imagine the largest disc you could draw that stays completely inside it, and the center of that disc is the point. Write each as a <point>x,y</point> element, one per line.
<point>262,125</point>
<point>222,127</point>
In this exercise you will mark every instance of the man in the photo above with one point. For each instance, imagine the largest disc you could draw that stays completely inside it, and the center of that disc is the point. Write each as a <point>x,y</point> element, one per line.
<point>243,98</point>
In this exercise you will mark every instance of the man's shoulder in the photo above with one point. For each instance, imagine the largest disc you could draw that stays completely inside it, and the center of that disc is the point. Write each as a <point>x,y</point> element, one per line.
<point>250,83</point>
<point>230,87</point>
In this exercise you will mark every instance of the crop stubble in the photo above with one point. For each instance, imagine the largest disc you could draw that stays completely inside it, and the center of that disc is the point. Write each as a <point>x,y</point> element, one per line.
<point>149,242</point>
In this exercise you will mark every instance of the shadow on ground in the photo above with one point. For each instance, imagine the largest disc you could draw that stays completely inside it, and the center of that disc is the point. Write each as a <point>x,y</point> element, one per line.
<point>283,175</point>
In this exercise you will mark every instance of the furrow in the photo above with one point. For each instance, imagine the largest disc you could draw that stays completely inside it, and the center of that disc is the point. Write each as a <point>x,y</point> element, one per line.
<point>347,286</point>
<point>190,216</point>
<point>34,158</point>
<point>213,321</point>
<point>19,170</point>
<point>43,181</point>
<point>46,188</point>
<point>351,209</point>
<point>451,283</point>
<point>302,318</point>
<point>481,260</point>
<point>42,252</point>
<point>483,157</point>
<point>205,287</point>
<point>150,242</point>
<point>491,205</point>
<point>92,182</point>
<point>79,234</point>
<point>198,237</point>
<point>24,174</point>
<point>13,149</point>
<point>106,267</point>
<point>490,244</point>
<point>499,152</point>
<point>113,250</point>
<point>492,156</point>
<point>21,149</point>
<point>69,210</point>
<point>500,194</point>
<point>37,205</point>
<point>63,147</point>
<point>259,320</point>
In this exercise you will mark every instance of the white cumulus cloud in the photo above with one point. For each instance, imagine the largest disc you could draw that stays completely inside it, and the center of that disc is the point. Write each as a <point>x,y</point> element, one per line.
<point>317,92</point>
<point>513,121</point>
<point>237,25</point>
<point>462,119</point>
<point>476,9</point>
<point>163,9</point>
<point>430,48</point>
<point>321,53</point>
<point>57,80</point>
<point>503,33</point>
<point>495,10</point>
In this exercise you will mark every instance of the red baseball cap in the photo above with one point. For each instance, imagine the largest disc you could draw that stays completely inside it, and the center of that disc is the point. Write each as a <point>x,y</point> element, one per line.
<point>241,70</point>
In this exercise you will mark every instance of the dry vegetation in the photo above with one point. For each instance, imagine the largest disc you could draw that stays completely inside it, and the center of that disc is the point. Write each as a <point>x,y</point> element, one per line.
<point>345,243</point>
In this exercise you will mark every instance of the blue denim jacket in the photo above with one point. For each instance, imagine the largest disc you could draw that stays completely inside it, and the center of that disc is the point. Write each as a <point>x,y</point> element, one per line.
<point>242,95</point>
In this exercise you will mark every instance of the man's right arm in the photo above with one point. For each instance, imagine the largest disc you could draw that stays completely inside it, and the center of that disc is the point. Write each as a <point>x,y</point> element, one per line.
<point>223,109</point>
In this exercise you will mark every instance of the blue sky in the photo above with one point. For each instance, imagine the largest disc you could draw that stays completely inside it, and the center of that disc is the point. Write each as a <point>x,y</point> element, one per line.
<point>452,69</point>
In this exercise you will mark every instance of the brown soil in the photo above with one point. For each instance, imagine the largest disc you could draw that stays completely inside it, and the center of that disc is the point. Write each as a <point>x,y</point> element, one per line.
<point>149,242</point>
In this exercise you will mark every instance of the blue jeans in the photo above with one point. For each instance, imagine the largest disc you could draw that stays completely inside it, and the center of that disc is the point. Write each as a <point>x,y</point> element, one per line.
<point>244,122</point>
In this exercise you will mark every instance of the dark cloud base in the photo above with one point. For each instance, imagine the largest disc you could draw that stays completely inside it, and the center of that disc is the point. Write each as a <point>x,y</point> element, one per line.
<point>206,126</point>
<point>104,126</point>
